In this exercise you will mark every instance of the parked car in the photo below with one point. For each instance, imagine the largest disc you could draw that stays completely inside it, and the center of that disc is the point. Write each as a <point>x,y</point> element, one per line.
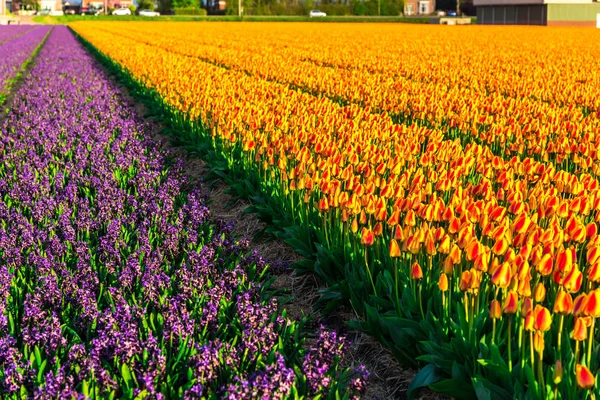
<point>441,13</point>
<point>122,11</point>
<point>149,13</point>
<point>317,13</point>
<point>452,13</point>
<point>91,11</point>
<point>70,11</point>
<point>43,12</point>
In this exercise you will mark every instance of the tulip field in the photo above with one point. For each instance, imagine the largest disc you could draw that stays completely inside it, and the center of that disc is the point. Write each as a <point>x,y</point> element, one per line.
<point>115,282</point>
<point>442,182</point>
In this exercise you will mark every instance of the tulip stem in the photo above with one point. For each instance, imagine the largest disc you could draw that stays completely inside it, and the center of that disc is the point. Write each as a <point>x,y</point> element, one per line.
<point>396,289</point>
<point>443,306</point>
<point>591,342</point>
<point>421,300</point>
<point>369,271</point>
<point>531,351</point>
<point>466,301</point>
<point>520,344</point>
<point>560,328</point>
<point>576,351</point>
<point>493,330</point>
<point>509,344</point>
<point>541,374</point>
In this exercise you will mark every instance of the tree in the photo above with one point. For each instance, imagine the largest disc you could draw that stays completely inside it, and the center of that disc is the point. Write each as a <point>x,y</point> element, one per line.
<point>145,5</point>
<point>165,6</point>
<point>30,4</point>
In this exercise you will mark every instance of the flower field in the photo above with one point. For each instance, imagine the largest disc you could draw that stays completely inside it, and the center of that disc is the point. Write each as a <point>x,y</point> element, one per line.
<point>443,183</point>
<point>17,45</point>
<point>115,281</point>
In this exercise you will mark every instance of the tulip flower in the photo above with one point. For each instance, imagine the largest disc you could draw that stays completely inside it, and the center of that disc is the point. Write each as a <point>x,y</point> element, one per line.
<point>544,266</point>
<point>495,313</point>
<point>542,318</point>
<point>593,254</point>
<point>579,304</point>
<point>367,237</point>
<point>580,330</point>
<point>592,309</point>
<point>585,379</point>
<point>539,292</point>
<point>511,303</point>
<point>563,303</point>
<point>443,282</point>
<point>502,275</point>
<point>557,373</point>
<point>394,249</point>
<point>416,272</point>
<point>572,281</point>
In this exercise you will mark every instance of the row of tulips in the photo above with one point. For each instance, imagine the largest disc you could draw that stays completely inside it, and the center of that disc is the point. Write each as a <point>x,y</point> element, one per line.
<point>545,130</point>
<point>455,257</point>
<point>113,281</point>
<point>17,46</point>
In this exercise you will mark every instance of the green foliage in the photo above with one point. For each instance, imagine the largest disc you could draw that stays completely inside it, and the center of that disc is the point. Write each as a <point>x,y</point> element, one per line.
<point>146,5</point>
<point>190,11</point>
<point>31,4</point>
<point>133,9</point>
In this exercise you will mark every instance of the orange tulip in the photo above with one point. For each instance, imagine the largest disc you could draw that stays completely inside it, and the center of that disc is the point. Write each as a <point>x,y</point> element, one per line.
<point>354,226</point>
<point>580,330</point>
<point>394,249</point>
<point>542,318</point>
<point>526,306</point>
<point>591,230</point>
<point>378,229</point>
<point>593,272</point>
<point>592,306</point>
<point>448,265</point>
<point>563,303</point>
<point>539,293</point>
<point>593,254</point>
<point>398,233</point>
<point>579,304</point>
<point>416,272</point>
<point>529,321</point>
<point>511,303</point>
<point>323,205</point>
<point>572,281</point>
<point>465,281</point>
<point>502,275</point>
<point>444,246</point>
<point>500,246</point>
<point>495,310</point>
<point>564,261</point>
<point>585,379</point>
<point>443,282</point>
<point>367,237</point>
<point>430,245</point>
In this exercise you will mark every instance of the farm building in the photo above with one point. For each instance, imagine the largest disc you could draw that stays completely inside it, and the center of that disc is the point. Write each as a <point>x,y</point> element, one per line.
<point>419,7</point>
<point>537,12</point>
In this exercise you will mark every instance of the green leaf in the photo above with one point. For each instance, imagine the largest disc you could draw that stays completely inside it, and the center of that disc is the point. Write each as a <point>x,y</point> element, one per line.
<point>126,374</point>
<point>485,390</point>
<point>454,388</point>
<point>426,376</point>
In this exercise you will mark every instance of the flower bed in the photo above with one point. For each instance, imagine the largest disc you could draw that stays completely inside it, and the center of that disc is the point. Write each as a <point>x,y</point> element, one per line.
<point>114,283</point>
<point>16,51</point>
